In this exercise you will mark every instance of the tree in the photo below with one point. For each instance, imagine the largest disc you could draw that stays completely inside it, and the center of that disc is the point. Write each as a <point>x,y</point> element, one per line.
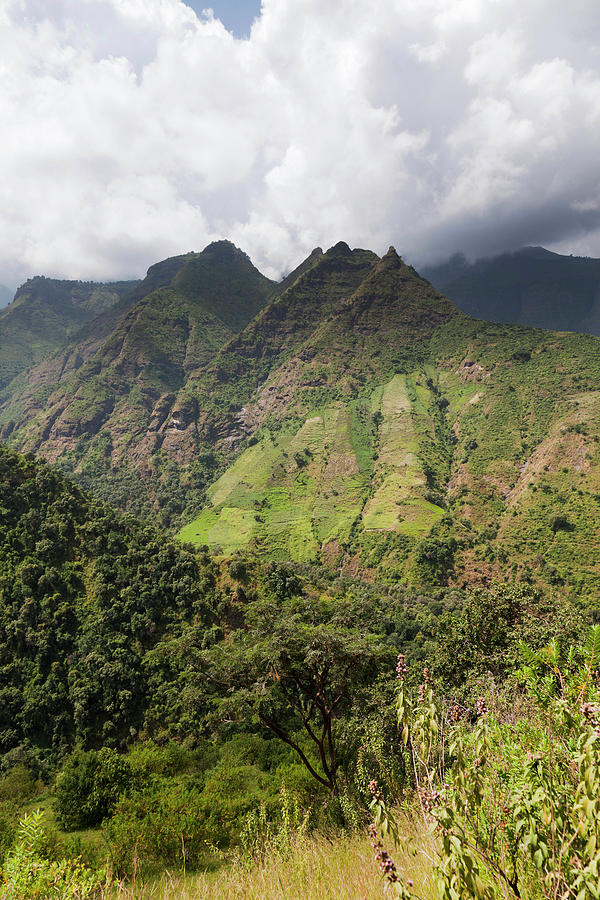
<point>483,634</point>
<point>297,667</point>
<point>89,786</point>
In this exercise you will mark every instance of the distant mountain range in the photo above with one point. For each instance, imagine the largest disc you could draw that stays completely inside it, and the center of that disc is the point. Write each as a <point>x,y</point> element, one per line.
<point>531,286</point>
<point>350,415</point>
<point>6,295</point>
<point>45,313</point>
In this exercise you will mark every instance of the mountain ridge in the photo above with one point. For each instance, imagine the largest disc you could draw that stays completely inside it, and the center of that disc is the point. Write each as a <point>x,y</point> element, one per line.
<point>100,407</point>
<point>530,286</point>
<point>46,313</point>
<point>359,419</point>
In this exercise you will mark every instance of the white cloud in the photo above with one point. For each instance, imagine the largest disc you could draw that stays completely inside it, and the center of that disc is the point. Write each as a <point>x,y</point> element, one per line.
<point>133,129</point>
<point>428,53</point>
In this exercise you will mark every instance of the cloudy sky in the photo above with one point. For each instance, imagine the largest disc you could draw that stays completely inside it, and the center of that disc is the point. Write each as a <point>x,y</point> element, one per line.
<point>136,129</point>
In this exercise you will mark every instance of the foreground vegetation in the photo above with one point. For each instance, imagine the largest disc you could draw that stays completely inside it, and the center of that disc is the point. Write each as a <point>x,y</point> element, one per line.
<point>174,722</point>
<point>313,869</point>
<point>501,802</point>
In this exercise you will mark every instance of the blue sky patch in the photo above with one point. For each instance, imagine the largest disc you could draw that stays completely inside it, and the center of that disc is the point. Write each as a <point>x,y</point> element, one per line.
<point>236,15</point>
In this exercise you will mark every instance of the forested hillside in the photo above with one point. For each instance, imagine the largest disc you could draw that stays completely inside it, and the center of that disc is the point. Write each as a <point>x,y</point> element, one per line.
<point>85,594</point>
<point>194,705</point>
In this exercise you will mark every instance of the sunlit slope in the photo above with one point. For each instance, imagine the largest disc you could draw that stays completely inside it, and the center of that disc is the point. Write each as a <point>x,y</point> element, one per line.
<point>339,434</point>
<point>309,484</point>
<point>524,488</point>
<point>443,449</point>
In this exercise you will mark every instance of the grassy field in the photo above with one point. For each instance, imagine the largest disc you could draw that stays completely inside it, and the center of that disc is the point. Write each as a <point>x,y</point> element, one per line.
<point>312,869</point>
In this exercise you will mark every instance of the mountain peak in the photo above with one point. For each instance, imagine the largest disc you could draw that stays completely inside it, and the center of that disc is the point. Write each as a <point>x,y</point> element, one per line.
<point>339,249</point>
<point>223,251</point>
<point>391,260</point>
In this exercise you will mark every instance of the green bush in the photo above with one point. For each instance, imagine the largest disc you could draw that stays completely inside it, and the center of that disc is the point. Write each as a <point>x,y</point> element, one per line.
<point>514,800</point>
<point>148,758</point>
<point>89,787</point>
<point>28,873</point>
<point>185,804</point>
<point>165,825</point>
<point>19,784</point>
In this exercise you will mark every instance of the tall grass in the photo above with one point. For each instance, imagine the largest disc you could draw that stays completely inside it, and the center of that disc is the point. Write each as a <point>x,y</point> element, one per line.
<point>311,869</point>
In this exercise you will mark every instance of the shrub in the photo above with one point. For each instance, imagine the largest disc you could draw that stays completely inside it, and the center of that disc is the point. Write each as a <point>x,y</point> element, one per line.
<point>19,784</point>
<point>237,569</point>
<point>28,873</point>
<point>148,758</point>
<point>515,804</point>
<point>163,825</point>
<point>88,788</point>
<point>560,523</point>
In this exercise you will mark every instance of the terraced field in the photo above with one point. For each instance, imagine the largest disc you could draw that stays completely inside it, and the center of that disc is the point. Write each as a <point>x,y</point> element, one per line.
<point>397,502</point>
<point>302,488</point>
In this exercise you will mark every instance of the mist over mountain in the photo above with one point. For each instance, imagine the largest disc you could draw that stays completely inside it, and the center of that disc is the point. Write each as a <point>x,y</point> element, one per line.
<point>531,286</point>
<point>6,295</point>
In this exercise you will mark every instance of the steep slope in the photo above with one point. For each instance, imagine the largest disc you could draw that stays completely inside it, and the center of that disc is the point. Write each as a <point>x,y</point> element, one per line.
<point>100,411</point>
<point>531,286</point>
<point>358,419</point>
<point>333,442</point>
<point>403,436</point>
<point>84,595</point>
<point>45,313</point>
<point>211,404</point>
<point>90,338</point>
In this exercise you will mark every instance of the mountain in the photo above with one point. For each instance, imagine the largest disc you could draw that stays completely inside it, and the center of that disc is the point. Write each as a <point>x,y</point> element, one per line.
<point>350,416</point>
<point>47,312</point>
<point>401,436</point>
<point>99,405</point>
<point>531,286</point>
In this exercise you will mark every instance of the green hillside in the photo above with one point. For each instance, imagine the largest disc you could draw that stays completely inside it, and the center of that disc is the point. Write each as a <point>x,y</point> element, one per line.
<point>351,416</point>
<point>45,314</point>
<point>102,406</point>
<point>402,436</point>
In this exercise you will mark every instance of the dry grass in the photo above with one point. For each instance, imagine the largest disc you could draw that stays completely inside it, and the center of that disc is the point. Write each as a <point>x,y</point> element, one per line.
<point>312,869</point>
